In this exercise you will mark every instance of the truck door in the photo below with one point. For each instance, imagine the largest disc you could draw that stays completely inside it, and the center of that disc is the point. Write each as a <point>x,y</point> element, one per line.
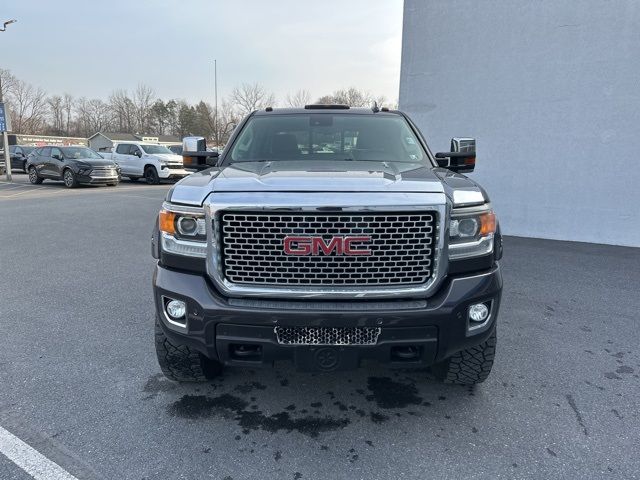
<point>121,156</point>
<point>135,156</point>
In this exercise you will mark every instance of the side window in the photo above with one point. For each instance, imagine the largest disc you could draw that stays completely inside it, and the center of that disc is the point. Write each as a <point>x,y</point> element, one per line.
<point>123,148</point>
<point>56,152</point>
<point>46,152</point>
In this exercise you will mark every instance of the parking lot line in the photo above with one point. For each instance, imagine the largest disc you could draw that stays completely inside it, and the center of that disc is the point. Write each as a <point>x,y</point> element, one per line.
<point>30,460</point>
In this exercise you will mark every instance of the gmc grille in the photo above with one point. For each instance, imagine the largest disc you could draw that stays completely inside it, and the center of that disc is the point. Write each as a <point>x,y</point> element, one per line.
<point>401,249</point>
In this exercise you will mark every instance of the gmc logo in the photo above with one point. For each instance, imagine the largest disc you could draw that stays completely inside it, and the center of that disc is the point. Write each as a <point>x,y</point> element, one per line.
<point>318,246</point>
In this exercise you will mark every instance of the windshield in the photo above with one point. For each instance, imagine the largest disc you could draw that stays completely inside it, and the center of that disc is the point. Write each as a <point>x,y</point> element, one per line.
<point>328,136</point>
<point>79,152</point>
<point>156,149</point>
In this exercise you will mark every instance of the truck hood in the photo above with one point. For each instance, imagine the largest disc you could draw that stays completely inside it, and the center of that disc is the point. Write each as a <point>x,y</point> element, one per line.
<point>327,176</point>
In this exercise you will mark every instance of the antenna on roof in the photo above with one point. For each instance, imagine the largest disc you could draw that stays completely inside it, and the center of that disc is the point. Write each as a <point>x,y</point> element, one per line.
<point>375,108</point>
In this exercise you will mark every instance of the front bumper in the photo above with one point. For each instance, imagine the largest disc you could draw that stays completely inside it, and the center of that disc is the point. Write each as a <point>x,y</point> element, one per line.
<point>165,172</point>
<point>435,328</point>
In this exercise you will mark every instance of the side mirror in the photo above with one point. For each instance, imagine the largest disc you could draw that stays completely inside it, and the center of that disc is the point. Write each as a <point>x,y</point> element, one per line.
<point>137,153</point>
<point>57,157</point>
<point>461,158</point>
<point>195,154</point>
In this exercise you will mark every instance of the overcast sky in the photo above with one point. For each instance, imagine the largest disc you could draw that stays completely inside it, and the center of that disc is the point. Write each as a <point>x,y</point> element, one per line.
<point>89,48</point>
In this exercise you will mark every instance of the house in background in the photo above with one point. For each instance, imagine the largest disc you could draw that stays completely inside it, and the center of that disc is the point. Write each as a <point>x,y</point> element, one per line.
<point>103,141</point>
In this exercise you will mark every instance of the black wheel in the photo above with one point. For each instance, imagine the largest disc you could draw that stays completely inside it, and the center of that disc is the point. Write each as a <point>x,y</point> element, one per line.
<point>70,180</point>
<point>469,366</point>
<point>151,176</point>
<point>33,176</point>
<point>134,179</point>
<point>180,363</point>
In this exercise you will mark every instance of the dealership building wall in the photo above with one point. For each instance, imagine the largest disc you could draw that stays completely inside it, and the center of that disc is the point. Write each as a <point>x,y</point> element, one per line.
<point>550,90</point>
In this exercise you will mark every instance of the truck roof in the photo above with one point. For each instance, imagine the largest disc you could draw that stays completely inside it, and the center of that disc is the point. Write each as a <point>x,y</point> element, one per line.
<point>329,109</point>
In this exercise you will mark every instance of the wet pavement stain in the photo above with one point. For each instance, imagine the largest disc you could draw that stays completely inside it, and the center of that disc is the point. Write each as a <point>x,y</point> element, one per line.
<point>624,369</point>
<point>201,406</point>
<point>158,383</point>
<point>377,417</point>
<point>249,387</point>
<point>574,407</point>
<point>388,393</point>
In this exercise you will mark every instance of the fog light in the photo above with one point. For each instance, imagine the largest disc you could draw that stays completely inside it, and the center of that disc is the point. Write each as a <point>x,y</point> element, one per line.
<point>478,312</point>
<point>176,309</point>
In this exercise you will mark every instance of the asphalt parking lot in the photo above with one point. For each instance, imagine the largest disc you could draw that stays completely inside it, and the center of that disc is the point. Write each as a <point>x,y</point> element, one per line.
<point>79,381</point>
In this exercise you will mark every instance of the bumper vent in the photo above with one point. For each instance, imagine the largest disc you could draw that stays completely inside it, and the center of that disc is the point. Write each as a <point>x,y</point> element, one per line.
<point>327,335</point>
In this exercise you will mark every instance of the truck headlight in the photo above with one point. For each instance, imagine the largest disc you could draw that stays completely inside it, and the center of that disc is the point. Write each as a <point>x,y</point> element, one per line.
<point>471,233</point>
<point>183,230</point>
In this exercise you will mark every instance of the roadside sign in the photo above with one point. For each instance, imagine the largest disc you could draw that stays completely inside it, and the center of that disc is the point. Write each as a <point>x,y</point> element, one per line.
<point>5,120</point>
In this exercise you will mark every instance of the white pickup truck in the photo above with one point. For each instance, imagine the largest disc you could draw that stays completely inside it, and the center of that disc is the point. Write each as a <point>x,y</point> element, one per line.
<point>148,160</point>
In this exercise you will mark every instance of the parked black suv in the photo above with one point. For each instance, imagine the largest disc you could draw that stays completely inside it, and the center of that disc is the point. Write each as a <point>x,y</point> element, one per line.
<point>19,154</point>
<point>73,165</point>
<point>328,236</point>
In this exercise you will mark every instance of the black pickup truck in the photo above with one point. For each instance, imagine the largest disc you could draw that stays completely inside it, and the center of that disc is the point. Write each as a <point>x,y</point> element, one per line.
<point>328,236</point>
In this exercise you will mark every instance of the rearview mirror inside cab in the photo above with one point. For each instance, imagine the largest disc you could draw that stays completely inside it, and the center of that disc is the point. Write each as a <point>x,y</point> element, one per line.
<point>461,158</point>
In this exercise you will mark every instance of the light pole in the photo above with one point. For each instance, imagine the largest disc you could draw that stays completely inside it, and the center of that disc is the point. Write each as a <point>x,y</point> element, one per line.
<point>5,137</point>
<point>215,94</point>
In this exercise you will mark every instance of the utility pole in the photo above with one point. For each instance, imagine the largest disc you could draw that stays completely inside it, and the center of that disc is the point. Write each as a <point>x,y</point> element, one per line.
<point>5,137</point>
<point>215,93</point>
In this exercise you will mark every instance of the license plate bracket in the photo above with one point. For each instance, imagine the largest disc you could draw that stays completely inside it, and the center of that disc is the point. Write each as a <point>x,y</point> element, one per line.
<point>326,358</point>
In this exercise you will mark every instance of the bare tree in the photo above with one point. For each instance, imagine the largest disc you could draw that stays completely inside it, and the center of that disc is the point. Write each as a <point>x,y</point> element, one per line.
<point>93,116</point>
<point>250,97</point>
<point>351,96</point>
<point>7,82</point>
<point>228,118</point>
<point>123,111</point>
<point>67,107</point>
<point>299,99</point>
<point>143,101</point>
<point>28,107</point>
<point>56,113</point>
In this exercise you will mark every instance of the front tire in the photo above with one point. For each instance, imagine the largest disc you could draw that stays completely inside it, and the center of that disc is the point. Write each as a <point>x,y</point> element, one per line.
<point>470,366</point>
<point>151,176</point>
<point>182,364</point>
<point>70,180</point>
<point>34,178</point>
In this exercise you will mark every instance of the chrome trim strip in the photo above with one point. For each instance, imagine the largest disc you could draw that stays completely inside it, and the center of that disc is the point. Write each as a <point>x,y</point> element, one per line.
<point>326,203</point>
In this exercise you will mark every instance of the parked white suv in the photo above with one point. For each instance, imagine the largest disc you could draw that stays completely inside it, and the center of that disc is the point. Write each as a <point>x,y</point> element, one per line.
<point>148,160</point>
